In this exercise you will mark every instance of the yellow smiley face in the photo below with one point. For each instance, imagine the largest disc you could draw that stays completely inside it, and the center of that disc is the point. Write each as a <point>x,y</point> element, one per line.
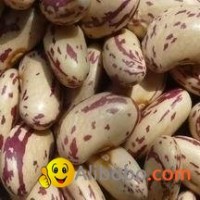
<point>61,172</point>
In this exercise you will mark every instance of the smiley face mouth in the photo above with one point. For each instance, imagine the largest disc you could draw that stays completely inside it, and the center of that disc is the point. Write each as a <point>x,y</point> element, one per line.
<point>61,181</point>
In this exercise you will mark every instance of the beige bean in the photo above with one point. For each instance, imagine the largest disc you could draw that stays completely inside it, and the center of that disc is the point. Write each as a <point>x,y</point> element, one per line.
<point>83,187</point>
<point>107,17</point>
<point>187,195</point>
<point>20,32</point>
<point>40,93</point>
<point>40,193</point>
<point>67,52</point>
<point>194,121</point>
<point>162,117</point>
<point>64,12</point>
<point>19,4</point>
<point>91,83</point>
<point>121,165</point>
<point>164,154</point>
<point>171,39</point>
<point>190,150</point>
<point>148,10</point>
<point>24,153</point>
<point>123,59</point>
<point>188,77</point>
<point>100,122</point>
<point>9,93</point>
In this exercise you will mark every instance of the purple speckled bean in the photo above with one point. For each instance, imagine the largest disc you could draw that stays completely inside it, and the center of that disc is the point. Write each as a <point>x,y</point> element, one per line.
<point>164,154</point>
<point>64,12</point>
<point>106,17</point>
<point>23,155</point>
<point>100,122</point>
<point>119,160</point>
<point>40,97</point>
<point>123,59</point>
<point>19,4</point>
<point>91,83</point>
<point>162,117</point>
<point>188,76</point>
<point>9,99</point>
<point>187,195</point>
<point>66,50</point>
<point>144,92</point>
<point>40,193</point>
<point>83,188</point>
<point>190,150</point>
<point>20,31</point>
<point>149,9</point>
<point>194,121</point>
<point>171,39</point>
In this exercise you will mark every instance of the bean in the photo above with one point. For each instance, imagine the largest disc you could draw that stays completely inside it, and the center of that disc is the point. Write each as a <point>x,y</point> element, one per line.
<point>67,53</point>
<point>164,154</point>
<point>117,162</point>
<point>190,150</point>
<point>64,12</point>
<point>170,33</point>
<point>100,122</point>
<point>123,59</point>
<point>9,91</point>
<point>92,82</point>
<point>40,98</point>
<point>162,117</point>
<point>148,10</point>
<point>22,160</point>
<point>107,17</point>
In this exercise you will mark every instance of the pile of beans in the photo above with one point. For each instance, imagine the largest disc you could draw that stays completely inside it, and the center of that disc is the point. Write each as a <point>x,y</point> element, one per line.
<point>109,83</point>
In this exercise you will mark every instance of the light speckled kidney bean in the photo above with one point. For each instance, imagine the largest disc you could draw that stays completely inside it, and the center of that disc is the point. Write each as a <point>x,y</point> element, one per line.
<point>9,99</point>
<point>162,117</point>
<point>171,39</point>
<point>100,122</point>
<point>190,150</point>
<point>20,32</point>
<point>40,193</point>
<point>120,188</point>
<point>194,121</point>
<point>146,91</point>
<point>187,76</point>
<point>106,17</point>
<point>19,4</point>
<point>24,153</point>
<point>187,195</point>
<point>123,59</point>
<point>91,83</point>
<point>164,154</point>
<point>67,52</point>
<point>84,187</point>
<point>149,9</point>
<point>64,12</point>
<point>40,93</point>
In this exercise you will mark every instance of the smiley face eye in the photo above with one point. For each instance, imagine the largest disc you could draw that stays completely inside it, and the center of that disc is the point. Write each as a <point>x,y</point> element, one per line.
<point>64,170</point>
<point>55,170</point>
